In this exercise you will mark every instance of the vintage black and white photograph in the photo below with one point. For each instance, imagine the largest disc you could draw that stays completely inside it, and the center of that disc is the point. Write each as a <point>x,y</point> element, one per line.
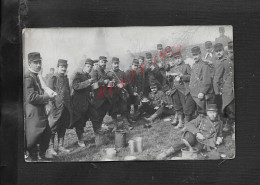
<point>128,93</point>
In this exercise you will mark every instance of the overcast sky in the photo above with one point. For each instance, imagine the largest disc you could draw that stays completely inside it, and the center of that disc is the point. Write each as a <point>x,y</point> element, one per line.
<point>74,44</point>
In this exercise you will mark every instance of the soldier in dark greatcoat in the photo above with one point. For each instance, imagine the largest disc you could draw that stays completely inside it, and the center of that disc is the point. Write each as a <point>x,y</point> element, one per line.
<point>204,132</point>
<point>82,104</point>
<point>59,117</point>
<point>179,89</point>
<point>200,81</point>
<point>223,39</point>
<point>37,129</point>
<point>224,84</point>
<point>119,92</point>
<point>102,100</point>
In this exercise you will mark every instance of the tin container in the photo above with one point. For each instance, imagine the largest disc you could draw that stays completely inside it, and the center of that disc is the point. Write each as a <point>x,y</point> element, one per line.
<point>120,139</point>
<point>189,154</point>
<point>139,144</point>
<point>131,145</point>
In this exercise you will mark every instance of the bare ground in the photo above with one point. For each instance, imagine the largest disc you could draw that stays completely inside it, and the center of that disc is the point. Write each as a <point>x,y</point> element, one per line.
<point>156,139</point>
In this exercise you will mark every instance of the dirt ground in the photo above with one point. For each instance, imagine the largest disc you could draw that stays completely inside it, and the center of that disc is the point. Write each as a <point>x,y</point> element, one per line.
<point>156,139</point>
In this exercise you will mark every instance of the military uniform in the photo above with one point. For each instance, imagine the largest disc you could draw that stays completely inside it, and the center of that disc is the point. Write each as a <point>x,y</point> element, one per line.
<point>37,129</point>
<point>223,39</point>
<point>200,82</point>
<point>82,104</point>
<point>224,83</point>
<point>102,101</point>
<point>183,102</point>
<point>59,117</point>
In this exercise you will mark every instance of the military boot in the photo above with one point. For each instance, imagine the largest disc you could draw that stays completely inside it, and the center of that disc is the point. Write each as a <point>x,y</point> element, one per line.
<point>180,121</point>
<point>51,152</point>
<point>187,119</point>
<point>80,139</point>
<point>61,147</point>
<point>175,119</point>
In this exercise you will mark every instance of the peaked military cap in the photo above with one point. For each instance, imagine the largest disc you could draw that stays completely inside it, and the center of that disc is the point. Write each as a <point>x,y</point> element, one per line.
<point>159,46</point>
<point>195,50</point>
<point>176,51</point>
<point>212,107</point>
<point>115,59</point>
<point>103,58</point>
<point>62,62</point>
<point>141,57</point>
<point>34,56</point>
<point>208,44</point>
<point>230,45</point>
<point>218,46</point>
<point>135,62</point>
<point>89,61</point>
<point>153,85</point>
<point>148,55</point>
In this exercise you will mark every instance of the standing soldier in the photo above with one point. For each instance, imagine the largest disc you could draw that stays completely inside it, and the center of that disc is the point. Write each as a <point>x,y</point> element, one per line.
<point>224,84</point>
<point>133,81</point>
<point>119,92</point>
<point>95,64</point>
<point>102,101</point>
<point>223,39</point>
<point>182,100</point>
<point>158,57</point>
<point>141,75</point>
<point>59,117</point>
<point>49,74</point>
<point>210,59</point>
<point>200,81</point>
<point>37,129</point>
<point>83,108</point>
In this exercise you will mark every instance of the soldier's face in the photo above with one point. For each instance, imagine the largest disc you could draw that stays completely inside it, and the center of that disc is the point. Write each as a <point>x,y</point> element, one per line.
<point>222,32</point>
<point>169,53</point>
<point>52,71</point>
<point>87,68</point>
<point>134,66</point>
<point>160,50</point>
<point>212,115</point>
<point>154,89</point>
<point>209,49</point>
<point>178,59</point>
<point>102,64</point>
<point>219,53</point>
<point>62,69</point>
<point>140,61</point>
<point>196,57</point>
<point>115,65</point>
<point>36,65</point>
<point>171,63</point>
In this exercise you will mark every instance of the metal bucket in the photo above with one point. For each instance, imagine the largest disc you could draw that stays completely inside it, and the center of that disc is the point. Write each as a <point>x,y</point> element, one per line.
<point>120,139</point>
<point>111,84</point>
<point>189,154</point>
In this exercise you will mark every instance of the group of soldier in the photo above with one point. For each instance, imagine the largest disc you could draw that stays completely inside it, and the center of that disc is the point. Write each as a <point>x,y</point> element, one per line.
<point>153,84</point>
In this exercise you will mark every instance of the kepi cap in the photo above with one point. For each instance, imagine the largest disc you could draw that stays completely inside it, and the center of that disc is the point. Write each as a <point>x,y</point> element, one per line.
<point>135,62</point>
<point>218,46</point>
<point>89,61</point>
<point>208,44</point>
<point>34,56</point>
<point>115,60</point>
<point>148,55</point>
<point>212,107</point>
<point>159,46</point>
<point>195,50</point>
<point>62,62</point>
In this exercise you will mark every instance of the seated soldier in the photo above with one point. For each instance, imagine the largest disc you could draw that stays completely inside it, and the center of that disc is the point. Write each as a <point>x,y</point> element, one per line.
<point>158,105</point>
<point>204,132</point>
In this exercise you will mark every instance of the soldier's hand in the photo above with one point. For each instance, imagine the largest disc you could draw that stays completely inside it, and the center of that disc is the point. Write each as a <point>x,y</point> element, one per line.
<point>156,108</point>
<point>52,95</point>
<point>106,81</point>
<point>90,80</point>
<point>168,92</point>
<point>219,140</point>
<point>135,94</point>
<point>200,136</point>
<point>200,95</point>
<point>120,85</point>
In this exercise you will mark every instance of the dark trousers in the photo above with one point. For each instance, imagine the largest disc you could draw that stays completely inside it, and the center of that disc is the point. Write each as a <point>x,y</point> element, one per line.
<point>133,100</point>
<point>164,111</point>
<point>43,142</point>
<point>183,104</point>
<point>191,138</point>
<point>91,114</point>
<point>218,101</point>
<point>60,126</point>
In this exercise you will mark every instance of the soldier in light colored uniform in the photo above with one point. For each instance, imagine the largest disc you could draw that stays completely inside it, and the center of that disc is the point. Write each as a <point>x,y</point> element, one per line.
<point>200,81</point>
<point>224,84</point>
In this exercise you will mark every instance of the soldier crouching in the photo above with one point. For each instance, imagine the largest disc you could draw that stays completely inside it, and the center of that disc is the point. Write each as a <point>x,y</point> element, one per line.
<point>159,104</point>
<point>204,132</point>
<point>82,104</point>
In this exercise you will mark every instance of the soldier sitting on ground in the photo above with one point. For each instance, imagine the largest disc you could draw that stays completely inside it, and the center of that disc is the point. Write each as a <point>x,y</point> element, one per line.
<point>158,104</point>
<point>204,132</point>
